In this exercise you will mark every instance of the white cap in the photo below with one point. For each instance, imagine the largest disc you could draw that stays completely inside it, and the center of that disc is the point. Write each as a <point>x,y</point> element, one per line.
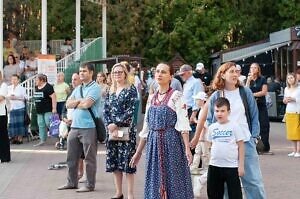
<point>238,67</point>
<point>199,66</point>
<point>201,96</point>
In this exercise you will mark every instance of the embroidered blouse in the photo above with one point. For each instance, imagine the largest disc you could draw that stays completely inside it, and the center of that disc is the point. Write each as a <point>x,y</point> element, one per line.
<point>177,104</point>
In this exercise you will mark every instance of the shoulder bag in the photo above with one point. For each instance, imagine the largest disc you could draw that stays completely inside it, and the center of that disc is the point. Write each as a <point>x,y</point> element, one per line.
<point>100,127</point>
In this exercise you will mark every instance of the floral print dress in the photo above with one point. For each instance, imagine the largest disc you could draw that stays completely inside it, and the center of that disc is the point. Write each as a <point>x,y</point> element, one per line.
<point>119,109</point>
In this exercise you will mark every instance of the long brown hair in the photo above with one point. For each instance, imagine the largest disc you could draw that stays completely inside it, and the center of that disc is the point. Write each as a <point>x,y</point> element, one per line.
<point>103,75</point>
<point>258,67</point>
<point>219,82</point>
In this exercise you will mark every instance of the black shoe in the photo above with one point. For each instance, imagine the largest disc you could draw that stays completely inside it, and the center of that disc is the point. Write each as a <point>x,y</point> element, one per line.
<point>120,197</point>
<point>14,142</point>
<point>5,161</point>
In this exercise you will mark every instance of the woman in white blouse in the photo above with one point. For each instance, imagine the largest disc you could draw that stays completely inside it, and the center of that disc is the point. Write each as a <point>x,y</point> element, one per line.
<point>166,134</point>
<point>292,113</point>
<point>4,140</point>
<point>17,96</point>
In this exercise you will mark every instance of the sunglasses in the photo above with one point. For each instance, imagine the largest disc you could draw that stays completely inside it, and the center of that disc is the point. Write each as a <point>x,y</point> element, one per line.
<point>118,72</point>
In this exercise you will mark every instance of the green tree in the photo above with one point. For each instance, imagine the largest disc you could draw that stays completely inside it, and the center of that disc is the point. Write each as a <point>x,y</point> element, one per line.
<point>289,12</point>
<point>158,29</point>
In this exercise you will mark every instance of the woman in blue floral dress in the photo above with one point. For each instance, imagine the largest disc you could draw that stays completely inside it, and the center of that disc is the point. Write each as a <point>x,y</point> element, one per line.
<point>165,132</point>
<point>118,112</point>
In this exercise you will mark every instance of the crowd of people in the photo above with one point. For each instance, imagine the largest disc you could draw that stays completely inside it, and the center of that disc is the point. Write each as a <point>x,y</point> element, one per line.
<point>197,130</point>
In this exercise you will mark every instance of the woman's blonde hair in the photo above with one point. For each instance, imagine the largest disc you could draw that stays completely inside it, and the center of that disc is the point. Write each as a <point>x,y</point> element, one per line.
<point>219,81</point>
<point>113,86</point>
<point>295,80</point>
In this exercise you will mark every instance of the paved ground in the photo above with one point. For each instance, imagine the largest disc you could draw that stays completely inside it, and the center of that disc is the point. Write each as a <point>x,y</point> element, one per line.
<point>27,176</point>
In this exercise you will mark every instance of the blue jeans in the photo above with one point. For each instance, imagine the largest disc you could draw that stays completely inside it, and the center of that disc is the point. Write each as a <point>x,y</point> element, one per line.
<point>43,121</point>
<point>252,180</point>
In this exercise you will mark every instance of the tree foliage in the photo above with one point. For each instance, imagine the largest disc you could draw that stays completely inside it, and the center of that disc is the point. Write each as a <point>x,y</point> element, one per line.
<point>158,29</point>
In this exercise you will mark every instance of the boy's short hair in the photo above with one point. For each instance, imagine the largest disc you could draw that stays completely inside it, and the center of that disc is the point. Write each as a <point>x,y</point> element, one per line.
<point>222,101</point>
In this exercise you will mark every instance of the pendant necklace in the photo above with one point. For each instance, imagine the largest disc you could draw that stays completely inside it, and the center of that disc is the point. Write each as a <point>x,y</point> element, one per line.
<point>157,98</point>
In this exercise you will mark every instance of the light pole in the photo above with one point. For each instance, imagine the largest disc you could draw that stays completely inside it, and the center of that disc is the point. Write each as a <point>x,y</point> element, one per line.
<point>77,30</point>
<point>44,27</point>
<point>104,28</point>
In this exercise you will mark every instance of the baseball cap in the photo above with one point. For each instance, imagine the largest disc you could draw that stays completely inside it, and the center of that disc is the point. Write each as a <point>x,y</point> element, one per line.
<point>238,67</point>
<point>199,66</point>
<point>201,96</point>
<point>184,68</point>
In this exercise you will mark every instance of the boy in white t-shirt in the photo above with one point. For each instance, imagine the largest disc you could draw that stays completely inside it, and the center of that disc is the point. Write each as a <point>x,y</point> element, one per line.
<point>227,154</point>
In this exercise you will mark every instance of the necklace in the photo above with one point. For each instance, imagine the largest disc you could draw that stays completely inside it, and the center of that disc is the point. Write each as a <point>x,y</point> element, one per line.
<point>164,92</point>
<point>160,101</point>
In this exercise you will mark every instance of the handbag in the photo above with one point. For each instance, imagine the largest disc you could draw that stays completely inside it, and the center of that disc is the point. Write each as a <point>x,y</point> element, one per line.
<point>123,134</point>
<point>100,127</point>
<point>260,147</point>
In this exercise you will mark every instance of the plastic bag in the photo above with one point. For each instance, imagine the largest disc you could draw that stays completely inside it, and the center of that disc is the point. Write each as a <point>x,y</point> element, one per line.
<point>269,102</point>
<point>54,125</point>
<point>63,130</point>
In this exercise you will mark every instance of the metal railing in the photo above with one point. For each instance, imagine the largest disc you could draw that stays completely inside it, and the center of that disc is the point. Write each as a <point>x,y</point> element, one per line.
<point>71,58</point>
<point>35,45</point>
<point>29,85</point>
<point>62,65</point>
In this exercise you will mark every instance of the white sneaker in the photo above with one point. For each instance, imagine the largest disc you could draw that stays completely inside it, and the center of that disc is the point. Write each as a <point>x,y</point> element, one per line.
<point>82,179</point>
<point>41,143</point>
<point>297,155</point>
<point>291,154</point>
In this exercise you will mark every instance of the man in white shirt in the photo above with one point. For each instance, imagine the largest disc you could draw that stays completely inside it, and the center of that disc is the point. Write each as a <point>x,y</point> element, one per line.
<point>191,87</point>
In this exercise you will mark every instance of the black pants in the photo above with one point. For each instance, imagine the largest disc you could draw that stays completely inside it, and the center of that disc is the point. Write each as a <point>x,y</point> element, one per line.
<point>264,125</point>
<point>4,140</point>
<point>216,179</point>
